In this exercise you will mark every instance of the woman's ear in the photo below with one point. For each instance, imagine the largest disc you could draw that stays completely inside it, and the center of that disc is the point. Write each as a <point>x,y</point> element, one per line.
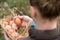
<point>33,11</point>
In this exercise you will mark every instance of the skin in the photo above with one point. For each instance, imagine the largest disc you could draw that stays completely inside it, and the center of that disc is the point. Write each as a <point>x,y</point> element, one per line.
<point>42,23</point>
<point>5,35</point>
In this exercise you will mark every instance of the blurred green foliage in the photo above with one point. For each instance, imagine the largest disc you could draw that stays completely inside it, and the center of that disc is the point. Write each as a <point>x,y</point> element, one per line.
<point>22,5</point>
<point>1,35</point>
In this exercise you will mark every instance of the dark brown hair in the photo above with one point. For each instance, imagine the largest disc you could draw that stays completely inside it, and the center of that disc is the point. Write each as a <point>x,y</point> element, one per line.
<point>48,8</point>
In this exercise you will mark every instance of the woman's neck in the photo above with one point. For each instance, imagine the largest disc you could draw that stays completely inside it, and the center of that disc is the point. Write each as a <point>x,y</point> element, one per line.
<point>46,24</point>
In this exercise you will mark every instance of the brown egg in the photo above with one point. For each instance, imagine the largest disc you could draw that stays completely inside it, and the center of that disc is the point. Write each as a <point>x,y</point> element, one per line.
<point>15,34</point>
<point>5,23</point>
<point>8,27</point>
<point>11,31</point>
<point>18,21</point>
<point>11,22</point>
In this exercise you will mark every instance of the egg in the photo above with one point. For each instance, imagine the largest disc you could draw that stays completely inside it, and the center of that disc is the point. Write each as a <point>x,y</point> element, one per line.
<point>8,27</point>
<point>5,23</point>
<point>15,34</point>
<point>11,31</point>
<point>18,21</point>
<point>14,26</point>
<point>11,22</point>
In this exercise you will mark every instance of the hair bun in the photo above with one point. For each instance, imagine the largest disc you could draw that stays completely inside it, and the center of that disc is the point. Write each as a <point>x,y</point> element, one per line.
<point>52,1</point>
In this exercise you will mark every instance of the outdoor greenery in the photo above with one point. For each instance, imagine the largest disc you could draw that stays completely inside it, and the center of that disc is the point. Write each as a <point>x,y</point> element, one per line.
<point>22,5</point>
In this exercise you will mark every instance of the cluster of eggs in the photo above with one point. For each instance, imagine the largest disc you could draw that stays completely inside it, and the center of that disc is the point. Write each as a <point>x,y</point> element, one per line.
<point>16,21</point>
<point>12,25</point>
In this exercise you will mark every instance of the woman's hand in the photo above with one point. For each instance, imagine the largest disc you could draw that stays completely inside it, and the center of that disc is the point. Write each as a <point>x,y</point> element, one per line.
<point>25,19</point>
<point>6,36</point>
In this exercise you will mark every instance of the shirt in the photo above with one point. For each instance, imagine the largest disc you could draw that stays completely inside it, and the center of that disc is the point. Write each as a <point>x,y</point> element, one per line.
<point>35,34</point>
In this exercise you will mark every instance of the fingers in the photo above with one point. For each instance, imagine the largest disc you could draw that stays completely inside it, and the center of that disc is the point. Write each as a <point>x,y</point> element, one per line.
<point>21,17</point>
<point>24,18</point>
<point>27,18</point>
<point>5,35</point>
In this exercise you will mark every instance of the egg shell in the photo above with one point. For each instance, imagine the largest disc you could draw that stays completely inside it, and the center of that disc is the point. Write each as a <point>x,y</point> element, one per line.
<point>11,22</point>
<point>8,27</point>
<point>18,21</point>
<point>14,26</point>
<point>5,23</point>
<point>11,31</point>
<point>15,34</point>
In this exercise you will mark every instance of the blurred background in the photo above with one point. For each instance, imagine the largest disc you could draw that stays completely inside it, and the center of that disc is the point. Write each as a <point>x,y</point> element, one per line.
<point>12,7</point>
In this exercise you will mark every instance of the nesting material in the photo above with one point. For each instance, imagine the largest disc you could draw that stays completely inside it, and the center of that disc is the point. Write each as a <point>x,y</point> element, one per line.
<point>16,28</point>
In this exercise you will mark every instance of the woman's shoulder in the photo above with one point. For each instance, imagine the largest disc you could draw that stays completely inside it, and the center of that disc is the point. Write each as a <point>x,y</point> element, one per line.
<point>27,38</point>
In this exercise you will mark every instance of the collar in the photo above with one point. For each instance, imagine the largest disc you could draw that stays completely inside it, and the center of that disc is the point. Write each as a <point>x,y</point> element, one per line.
<point>46,34</point>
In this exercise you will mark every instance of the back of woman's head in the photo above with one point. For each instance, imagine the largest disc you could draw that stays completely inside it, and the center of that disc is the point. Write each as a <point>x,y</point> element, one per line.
<point>48,8</point>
